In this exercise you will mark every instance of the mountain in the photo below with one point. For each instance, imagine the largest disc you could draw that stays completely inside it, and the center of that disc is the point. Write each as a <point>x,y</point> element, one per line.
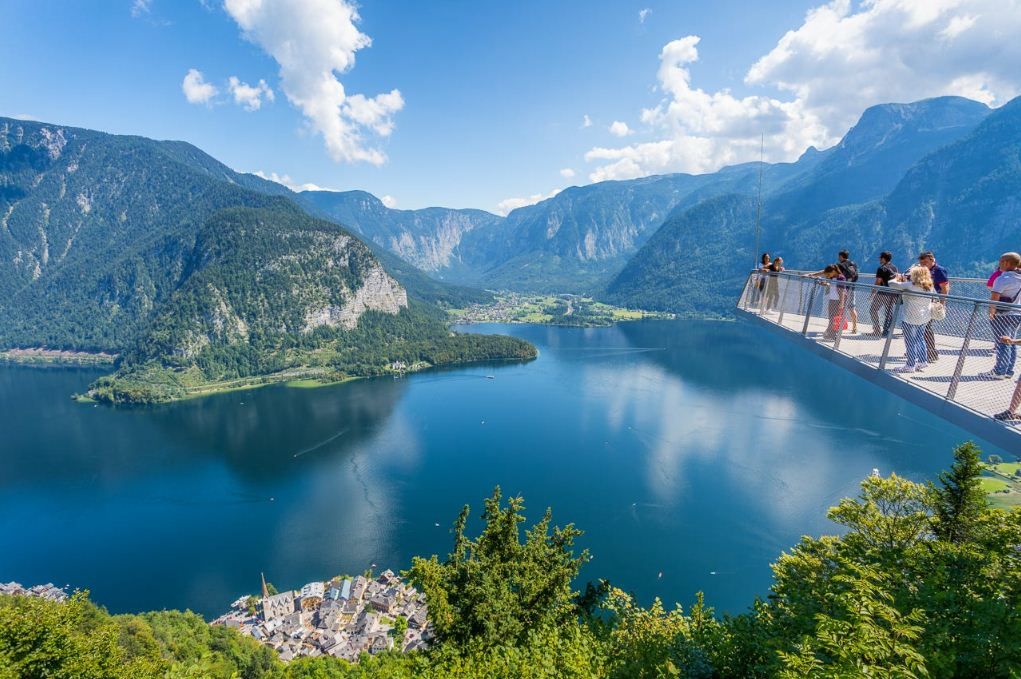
<point>880,188</point>
<point>692,263</point>
<point>156,251</point>
<point>573,241</point>
<point>580,239</point>
<point>429,238</point>
<point>874,154</point>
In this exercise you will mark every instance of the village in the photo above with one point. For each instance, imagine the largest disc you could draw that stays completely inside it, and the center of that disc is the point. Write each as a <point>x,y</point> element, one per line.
<point>47,591</point>
<point>343,618</point>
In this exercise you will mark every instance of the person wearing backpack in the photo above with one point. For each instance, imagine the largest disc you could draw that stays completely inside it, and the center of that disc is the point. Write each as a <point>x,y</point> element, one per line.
<point>1005,320</point>
<point>849,270</point>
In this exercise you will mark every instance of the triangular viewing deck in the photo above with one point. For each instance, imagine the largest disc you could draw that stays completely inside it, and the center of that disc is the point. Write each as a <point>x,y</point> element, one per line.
<point>957,386</point>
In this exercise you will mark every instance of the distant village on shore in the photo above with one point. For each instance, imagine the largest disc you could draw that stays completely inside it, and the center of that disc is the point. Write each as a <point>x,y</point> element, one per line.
<point>343,617</point>
<point>47,591</point>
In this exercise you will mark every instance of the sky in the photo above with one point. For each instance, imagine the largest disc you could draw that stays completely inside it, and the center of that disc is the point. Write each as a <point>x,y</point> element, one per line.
<point>490,104</point>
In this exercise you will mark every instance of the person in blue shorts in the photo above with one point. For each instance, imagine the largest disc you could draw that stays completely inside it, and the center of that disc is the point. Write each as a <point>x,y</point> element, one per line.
<point>941,282</point>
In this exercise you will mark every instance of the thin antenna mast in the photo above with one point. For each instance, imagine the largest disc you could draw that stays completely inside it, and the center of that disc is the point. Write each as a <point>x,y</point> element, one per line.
<point>758,208</point>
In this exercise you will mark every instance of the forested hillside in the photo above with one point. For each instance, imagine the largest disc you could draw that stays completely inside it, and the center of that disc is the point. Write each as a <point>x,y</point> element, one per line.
<point>196,273</point>
<point>925,581</point>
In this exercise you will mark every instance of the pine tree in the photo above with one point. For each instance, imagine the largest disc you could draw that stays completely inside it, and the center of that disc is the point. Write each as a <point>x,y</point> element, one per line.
<point>958,501</point>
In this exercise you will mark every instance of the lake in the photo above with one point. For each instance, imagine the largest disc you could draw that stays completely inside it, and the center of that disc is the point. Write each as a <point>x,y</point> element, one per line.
<point>690,453</point>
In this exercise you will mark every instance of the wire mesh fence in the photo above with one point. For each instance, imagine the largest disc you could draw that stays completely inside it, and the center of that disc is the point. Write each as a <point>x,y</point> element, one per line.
<point>951,345</point>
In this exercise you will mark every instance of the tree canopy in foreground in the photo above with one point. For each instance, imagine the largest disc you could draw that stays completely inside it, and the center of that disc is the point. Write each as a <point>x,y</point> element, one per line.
<point>925,582</point>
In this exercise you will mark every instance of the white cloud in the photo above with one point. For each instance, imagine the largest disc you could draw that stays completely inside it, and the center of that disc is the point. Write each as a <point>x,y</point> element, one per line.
<point>140,8</point>
<point>389,201</point>
<point>703,130</point>
<point>314,41</point>
<point>567,173</point>
<point>286,180</point>
<point>196,89</point>
<point>506,205</point>
<point>643,14</point>
<point>844,58</point>
<point>248,96</point>
<point>957,25</point>
<point>620,129</point>
<point>586,121</point>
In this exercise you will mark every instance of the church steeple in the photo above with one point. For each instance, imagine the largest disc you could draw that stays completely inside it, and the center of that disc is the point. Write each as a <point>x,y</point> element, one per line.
<point>265,589</point>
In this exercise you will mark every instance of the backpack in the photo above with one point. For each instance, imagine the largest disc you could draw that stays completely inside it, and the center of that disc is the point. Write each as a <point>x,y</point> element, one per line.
<point>850,270</point>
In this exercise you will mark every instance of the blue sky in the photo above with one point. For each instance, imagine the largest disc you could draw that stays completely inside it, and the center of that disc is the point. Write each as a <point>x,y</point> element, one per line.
<point>483,104</point>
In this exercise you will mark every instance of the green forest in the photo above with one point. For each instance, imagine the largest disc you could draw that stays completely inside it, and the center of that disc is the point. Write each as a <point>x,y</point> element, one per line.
<point>925,581</point>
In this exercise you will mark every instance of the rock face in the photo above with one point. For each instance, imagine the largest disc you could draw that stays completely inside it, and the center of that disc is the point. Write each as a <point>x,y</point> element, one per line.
<point>378,292</point>
<point>430,238</point>
<point>267,278</point>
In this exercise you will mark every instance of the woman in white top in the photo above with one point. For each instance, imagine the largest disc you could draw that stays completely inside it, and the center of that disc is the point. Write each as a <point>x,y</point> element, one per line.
<point>916,314</point>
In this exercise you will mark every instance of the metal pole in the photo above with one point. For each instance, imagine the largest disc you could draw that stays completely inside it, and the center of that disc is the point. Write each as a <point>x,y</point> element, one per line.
<point>783,300</point>
<point>842,315</point>
<point>808,311</point>
<point>758,209</point>
<point>952,391</point>
<point>893,328</point>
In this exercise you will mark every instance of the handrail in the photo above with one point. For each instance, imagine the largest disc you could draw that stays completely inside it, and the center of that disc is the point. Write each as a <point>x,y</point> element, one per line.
<point>872,287</point>
<point>957,357</point>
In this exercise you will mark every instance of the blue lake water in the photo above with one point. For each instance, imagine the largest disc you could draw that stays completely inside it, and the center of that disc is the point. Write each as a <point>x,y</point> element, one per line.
<point>695,450</point>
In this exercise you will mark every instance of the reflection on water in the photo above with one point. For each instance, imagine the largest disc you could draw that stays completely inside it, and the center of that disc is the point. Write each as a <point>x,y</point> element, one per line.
<point>699,450</point>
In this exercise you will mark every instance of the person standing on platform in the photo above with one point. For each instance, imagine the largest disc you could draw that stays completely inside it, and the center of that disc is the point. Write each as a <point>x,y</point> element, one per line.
<point>773,284</point>
<point>883,300</point>
<point>759,286</point>
<point>917,315</point>
<point>1005,319</point>
<point>941,283</point>
<point>1011,414</point>
<point>849,270</point>
<point>834,300</point>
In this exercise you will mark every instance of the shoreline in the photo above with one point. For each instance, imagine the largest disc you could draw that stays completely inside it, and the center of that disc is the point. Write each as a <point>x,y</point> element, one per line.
<point>38,356</point>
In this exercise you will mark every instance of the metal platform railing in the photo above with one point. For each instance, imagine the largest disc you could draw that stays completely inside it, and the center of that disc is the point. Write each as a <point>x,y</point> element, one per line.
<point>962,350</point>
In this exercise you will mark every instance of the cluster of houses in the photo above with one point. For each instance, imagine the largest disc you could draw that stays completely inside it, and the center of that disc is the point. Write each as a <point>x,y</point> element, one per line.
<point>343,618</point>
<point>47,591</point>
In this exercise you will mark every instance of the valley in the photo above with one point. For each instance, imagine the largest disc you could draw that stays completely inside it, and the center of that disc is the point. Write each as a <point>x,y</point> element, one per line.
<point>565,310</point>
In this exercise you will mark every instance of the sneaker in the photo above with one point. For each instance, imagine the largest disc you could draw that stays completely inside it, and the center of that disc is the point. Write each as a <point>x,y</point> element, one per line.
<point>904,369</point>
<point>1007,416</point>
<point>993,375</point>
<point>919,367</point>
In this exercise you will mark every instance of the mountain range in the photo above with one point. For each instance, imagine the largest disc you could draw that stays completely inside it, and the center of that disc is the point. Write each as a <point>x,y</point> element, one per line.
<point>194,272</point>
<point>906,176</point>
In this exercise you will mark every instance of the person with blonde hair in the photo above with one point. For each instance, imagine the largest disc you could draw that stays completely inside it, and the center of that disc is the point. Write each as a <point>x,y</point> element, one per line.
<point>916,315</point>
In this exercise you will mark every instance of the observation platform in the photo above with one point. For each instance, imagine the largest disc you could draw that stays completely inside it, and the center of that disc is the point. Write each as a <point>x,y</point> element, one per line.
<point>953,387</point>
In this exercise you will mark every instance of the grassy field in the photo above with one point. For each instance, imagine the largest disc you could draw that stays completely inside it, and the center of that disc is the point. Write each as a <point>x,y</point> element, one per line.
<point>1002,485</point>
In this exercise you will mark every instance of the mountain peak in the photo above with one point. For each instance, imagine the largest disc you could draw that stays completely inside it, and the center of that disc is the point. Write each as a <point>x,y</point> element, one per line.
<point>884,124</point>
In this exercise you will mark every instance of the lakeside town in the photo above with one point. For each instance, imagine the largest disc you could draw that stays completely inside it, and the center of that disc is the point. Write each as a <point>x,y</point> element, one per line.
<point>343,617</point>
<point>563,309</point>
<point>48,591</point>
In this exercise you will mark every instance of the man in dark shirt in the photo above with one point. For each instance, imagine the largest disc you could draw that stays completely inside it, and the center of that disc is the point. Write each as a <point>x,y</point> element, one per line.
<point>941,280</point>
<point>883,300</point>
